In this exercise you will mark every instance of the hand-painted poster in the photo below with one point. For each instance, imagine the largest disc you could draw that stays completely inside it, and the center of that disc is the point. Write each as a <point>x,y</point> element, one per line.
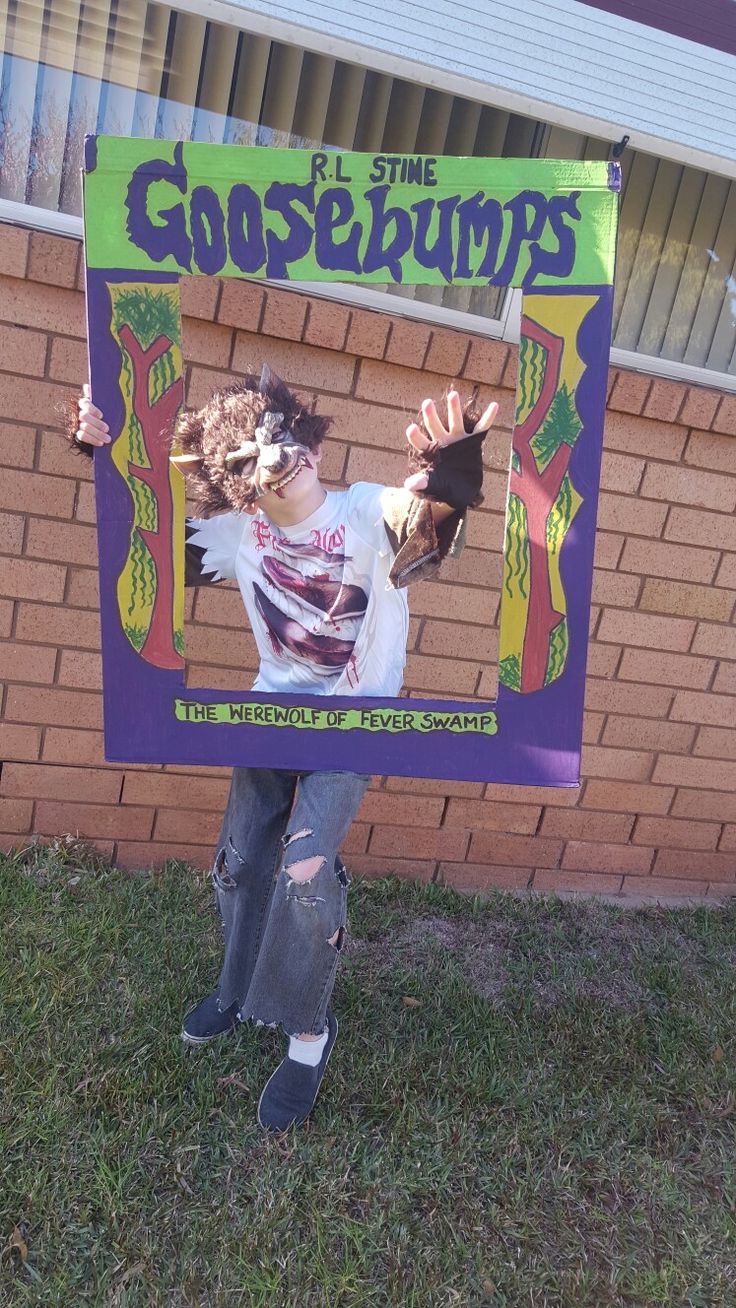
<point>157,211</point>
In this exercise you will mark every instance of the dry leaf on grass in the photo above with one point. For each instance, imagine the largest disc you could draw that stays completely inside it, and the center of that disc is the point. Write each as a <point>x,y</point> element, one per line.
<point>16,1244</point>
<point>235,1082</point>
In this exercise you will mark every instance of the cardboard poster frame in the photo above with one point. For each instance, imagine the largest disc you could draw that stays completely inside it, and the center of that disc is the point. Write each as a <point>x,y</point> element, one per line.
<point>155,211</point>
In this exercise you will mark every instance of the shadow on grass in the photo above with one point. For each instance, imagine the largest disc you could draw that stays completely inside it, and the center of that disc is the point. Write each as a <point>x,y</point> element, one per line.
<point>548,1120</point>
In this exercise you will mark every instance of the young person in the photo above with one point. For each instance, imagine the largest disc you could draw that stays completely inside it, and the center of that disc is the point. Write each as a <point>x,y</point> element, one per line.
<point>323,576</point>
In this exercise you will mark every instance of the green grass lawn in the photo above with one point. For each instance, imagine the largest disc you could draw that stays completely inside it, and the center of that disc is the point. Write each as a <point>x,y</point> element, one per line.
<point>550,1119</point>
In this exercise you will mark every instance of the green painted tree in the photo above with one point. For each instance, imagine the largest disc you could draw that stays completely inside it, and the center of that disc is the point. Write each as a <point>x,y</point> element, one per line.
<point>147,327</point>
<point>562,426</point>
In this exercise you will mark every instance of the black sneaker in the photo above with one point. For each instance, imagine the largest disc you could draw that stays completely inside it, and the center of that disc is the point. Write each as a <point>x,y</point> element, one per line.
<point>206,1022</point>
<point>289,1095</point>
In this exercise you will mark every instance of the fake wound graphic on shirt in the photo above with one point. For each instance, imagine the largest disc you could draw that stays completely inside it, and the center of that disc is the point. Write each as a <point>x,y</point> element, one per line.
<point>304,592</point>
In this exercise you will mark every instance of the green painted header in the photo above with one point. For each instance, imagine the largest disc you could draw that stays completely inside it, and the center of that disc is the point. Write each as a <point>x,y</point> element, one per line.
<point>320,216</point>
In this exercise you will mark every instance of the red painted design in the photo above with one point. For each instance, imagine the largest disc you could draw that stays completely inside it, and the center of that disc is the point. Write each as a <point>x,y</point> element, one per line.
<point>538,492</point>
<point>158,647</point>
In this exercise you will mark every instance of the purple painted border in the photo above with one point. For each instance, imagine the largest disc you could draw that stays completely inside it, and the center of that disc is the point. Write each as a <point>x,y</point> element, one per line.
<point>538,742</point>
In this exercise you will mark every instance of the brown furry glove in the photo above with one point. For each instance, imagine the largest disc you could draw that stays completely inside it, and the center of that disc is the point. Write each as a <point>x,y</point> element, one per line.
<point>446,462</point>
<point>454,472</point>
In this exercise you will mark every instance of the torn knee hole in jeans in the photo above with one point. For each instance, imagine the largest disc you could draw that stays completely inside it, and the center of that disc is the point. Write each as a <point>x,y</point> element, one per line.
<point>300,874</point>
<point>341,873</point>
<point>291,836</point>
<point>306,869</point>
<point>222,872</point>
<point>337,939</point>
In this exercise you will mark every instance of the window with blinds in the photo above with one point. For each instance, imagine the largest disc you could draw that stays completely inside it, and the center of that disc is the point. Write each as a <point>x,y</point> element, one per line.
<point>144,69</point>
<point>676,263</point>
<point>131,68</point>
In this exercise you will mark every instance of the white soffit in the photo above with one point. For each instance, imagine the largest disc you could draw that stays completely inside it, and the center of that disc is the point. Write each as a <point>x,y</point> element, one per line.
<point>556,60</point>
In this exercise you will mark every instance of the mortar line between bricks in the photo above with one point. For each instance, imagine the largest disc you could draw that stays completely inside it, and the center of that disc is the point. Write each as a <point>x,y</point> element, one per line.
<point>46,374</point>
<point>647,397</point>
<point>683,402</point>
<point>712,679</point>
<point>673,799</point>
<point>37,444</point>
<point>604,724</point>
<point>389,334</point>
<point>466,357</point>
<point>261,312</point>
<point>57,667</point>
<point>634,830</point>
<point>354,381</point>
<point>305,324</point>
<point>619,661</point>
<point>348,330</point>
<point>343,349</point>
<point>693,638</point>
<point>231,350</point>
<point>218,301</point>
<point>23,534</point>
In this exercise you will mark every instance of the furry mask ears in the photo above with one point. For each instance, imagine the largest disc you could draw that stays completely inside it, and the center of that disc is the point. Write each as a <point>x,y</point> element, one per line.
<point>184,461</point>
<point>190,462</point>
<point>269,378</point>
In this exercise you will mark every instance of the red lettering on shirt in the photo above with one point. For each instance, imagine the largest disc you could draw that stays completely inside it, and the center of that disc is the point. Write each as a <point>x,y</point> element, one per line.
<point>331,541</point>
<point>262,533</point>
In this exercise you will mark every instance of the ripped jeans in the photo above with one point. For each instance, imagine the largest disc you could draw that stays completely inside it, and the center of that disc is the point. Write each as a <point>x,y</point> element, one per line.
<point>281,891</point>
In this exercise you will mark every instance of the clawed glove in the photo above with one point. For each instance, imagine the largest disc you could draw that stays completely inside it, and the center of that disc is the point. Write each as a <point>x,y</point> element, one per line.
<point>454,472</point>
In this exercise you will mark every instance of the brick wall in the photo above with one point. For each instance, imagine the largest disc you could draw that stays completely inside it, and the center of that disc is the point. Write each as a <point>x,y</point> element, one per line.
<point>656,813</point>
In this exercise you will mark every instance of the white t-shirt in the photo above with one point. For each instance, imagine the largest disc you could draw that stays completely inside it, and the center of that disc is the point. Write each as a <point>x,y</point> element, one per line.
<point>317,596</point>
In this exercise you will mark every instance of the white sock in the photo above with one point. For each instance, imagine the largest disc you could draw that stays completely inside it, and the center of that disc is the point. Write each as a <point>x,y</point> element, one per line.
<point>307,1051</point>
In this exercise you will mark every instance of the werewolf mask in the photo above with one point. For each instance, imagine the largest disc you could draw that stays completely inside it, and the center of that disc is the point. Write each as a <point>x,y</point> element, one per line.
<point>248,439</point>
